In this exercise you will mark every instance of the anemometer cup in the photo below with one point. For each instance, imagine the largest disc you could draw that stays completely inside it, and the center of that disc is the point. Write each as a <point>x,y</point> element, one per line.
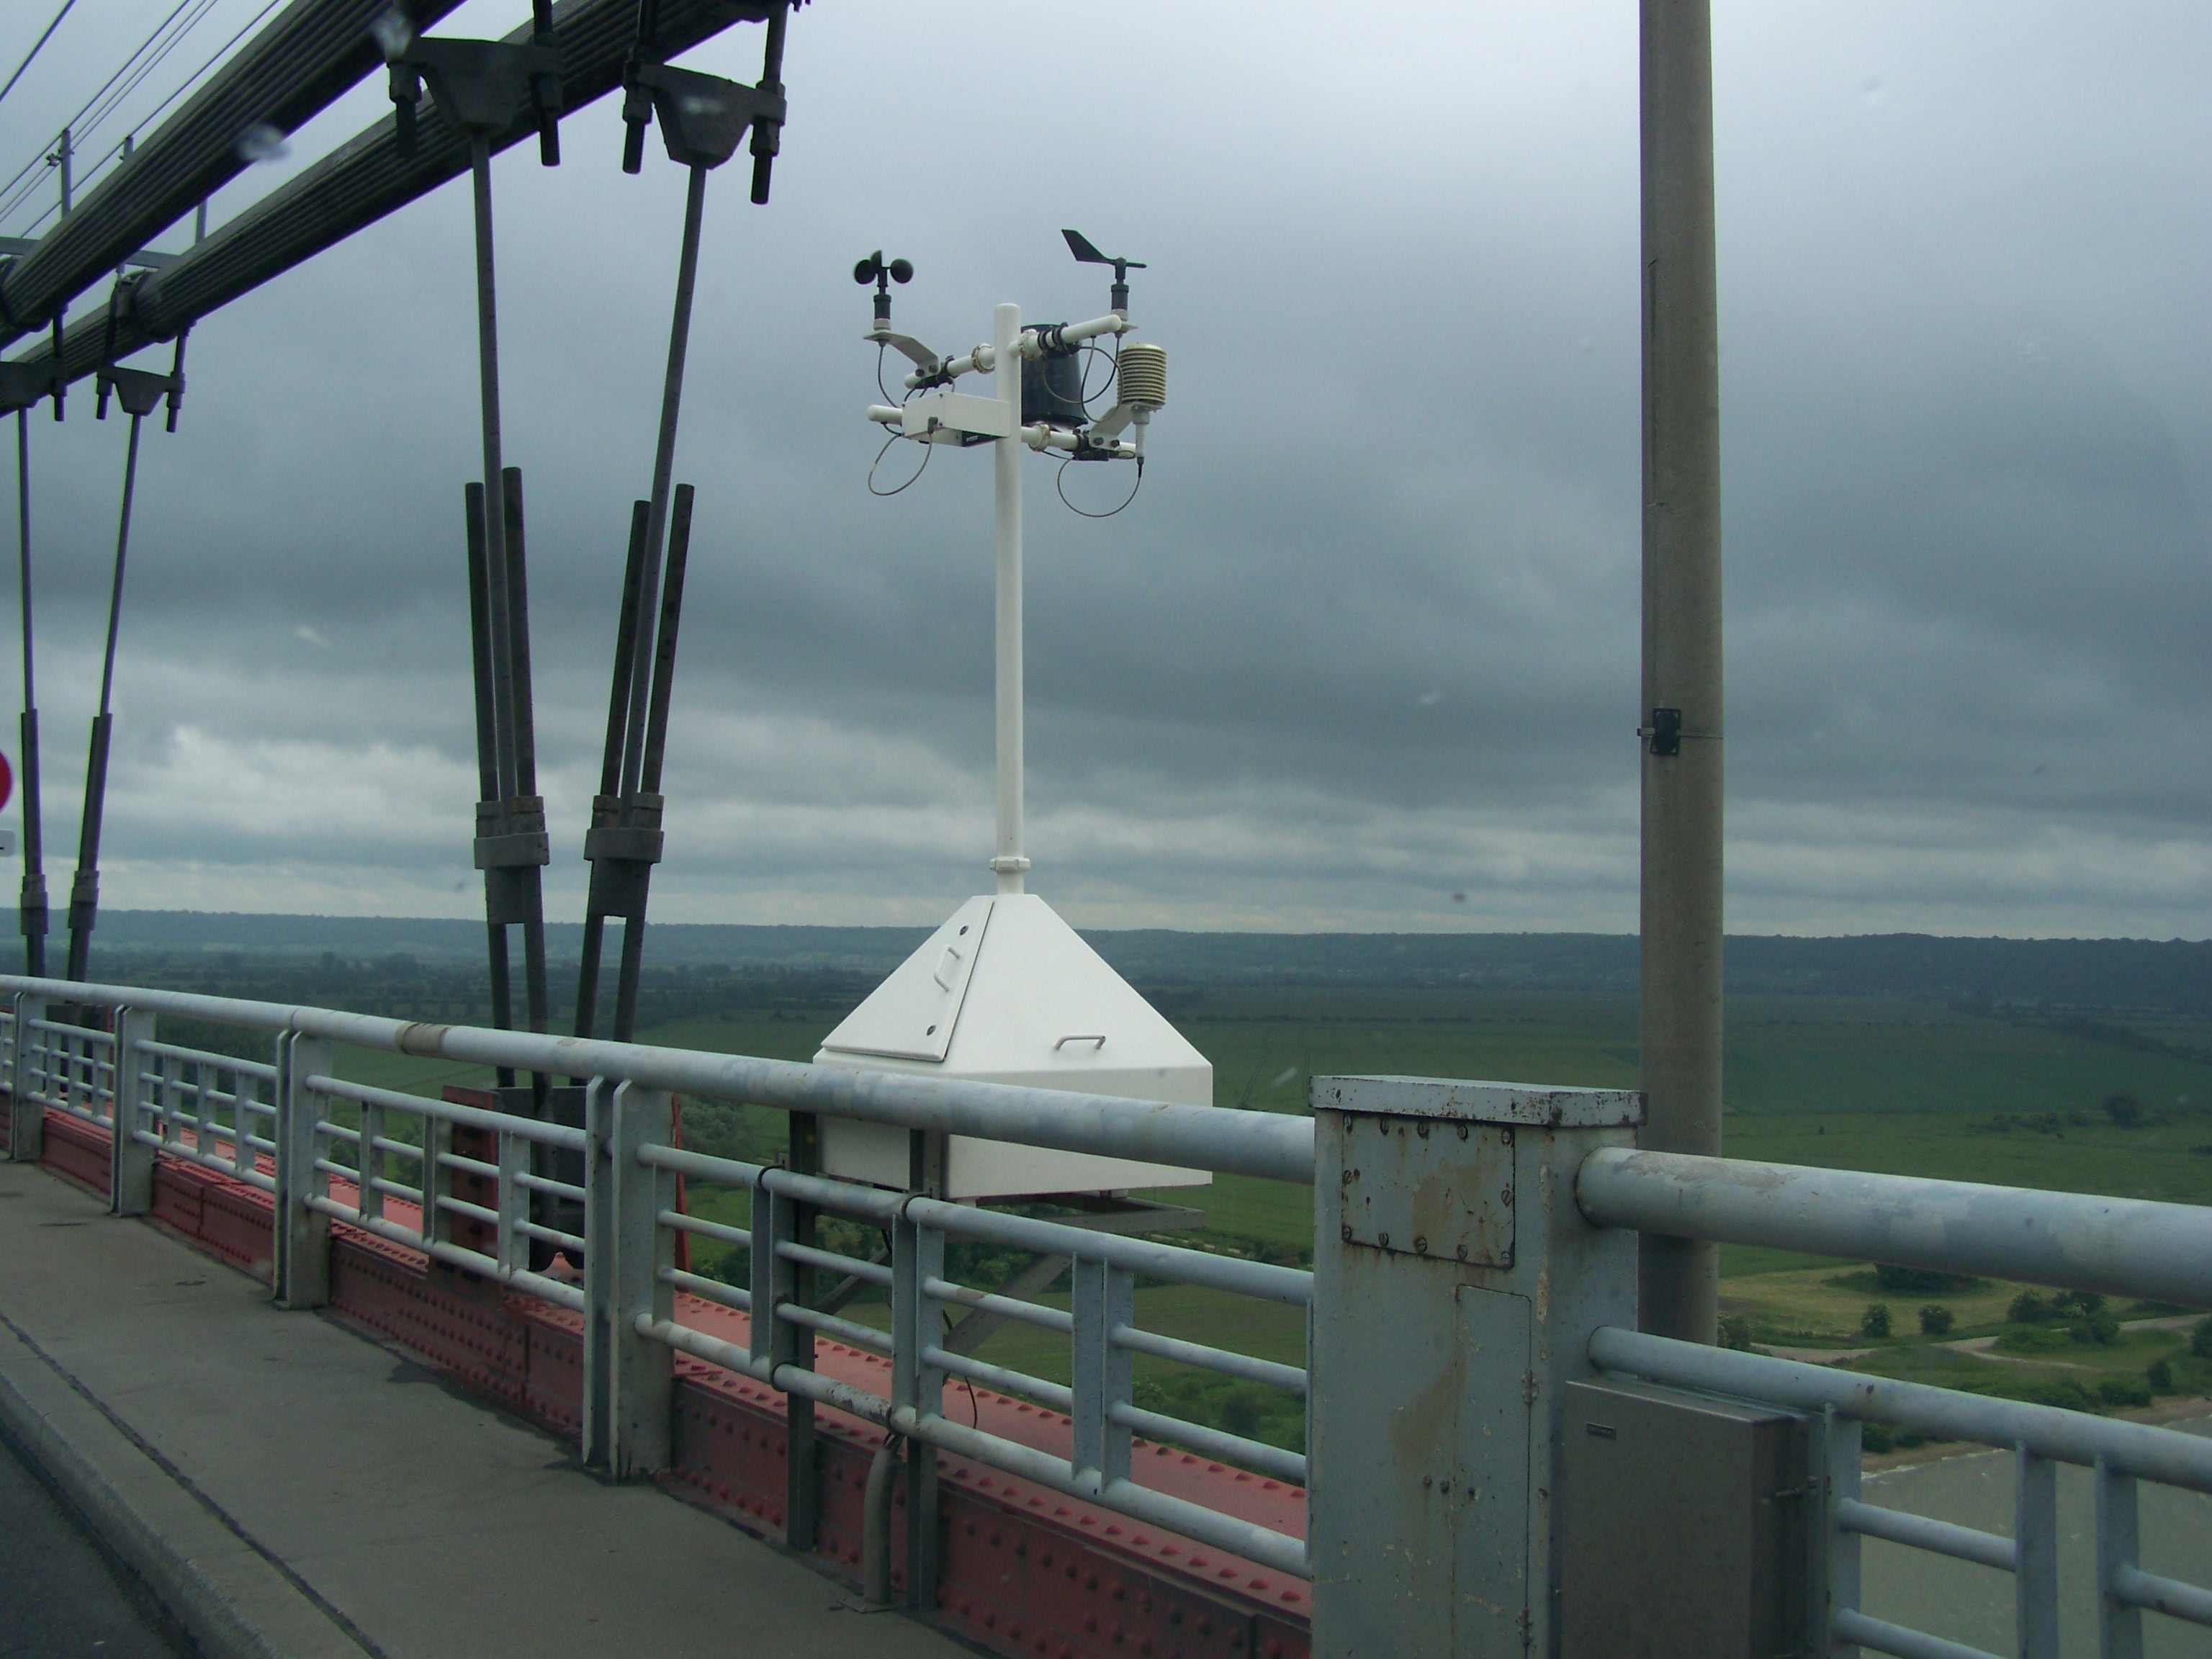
<point>874,268</point>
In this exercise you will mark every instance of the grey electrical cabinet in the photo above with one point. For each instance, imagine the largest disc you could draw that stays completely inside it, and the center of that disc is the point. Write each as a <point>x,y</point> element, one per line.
<point>1685,1534</point>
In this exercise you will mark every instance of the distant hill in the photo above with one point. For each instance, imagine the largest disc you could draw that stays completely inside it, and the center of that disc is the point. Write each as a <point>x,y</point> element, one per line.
<point>2073,973</point>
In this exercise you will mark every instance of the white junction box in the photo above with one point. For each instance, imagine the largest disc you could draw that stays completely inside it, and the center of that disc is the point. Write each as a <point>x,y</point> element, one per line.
<point>1006,992</point>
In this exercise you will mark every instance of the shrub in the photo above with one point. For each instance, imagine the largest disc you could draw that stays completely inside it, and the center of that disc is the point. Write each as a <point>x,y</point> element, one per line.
<point>2160,1376</point>
<point>1924,1281</point>
<point>2100,1329</point>
<point>1735,1331</point>
<point>2125,1391</point>
<point>2125,1110</point>
<point>1875,1322</point>
<point>1935,1320</point>
<point>1877,1437</point>
<point>2030,1308</point>
<point>2088,1304</point>
<point>2200,1339</point>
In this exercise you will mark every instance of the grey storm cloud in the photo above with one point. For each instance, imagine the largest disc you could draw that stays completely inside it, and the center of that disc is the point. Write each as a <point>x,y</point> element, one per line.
<point>1367,638</point>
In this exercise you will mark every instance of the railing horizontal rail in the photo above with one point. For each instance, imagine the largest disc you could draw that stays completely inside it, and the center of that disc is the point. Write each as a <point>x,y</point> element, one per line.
<point>1222,1273</point>
<point>1058,1395</point>
<point>705,1229</point>
<point>2176,1600</point>
<point>2117,1246</point>
<point>1853,1627</point>
<point>1274,1146</point>
<point>1215,1442</point>
<point>2166,1456</point>
<point>468,1117</point>
<point>1003,1307</point>
<point>1225,1361</point>
<point>1921,1533</point>
<point>253,1068</point>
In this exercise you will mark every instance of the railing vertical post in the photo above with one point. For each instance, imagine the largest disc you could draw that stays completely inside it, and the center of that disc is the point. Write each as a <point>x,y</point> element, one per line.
<point>598,1273</point>
<point>437,1181</point>
<point>1834,1568</point>
<point>642,1372</point>
<point>793,1345</point>
<point>130,1160</point>
<point>917,1324</point>
<point>241,1122</point>
<point>2035,1562</point>
<point>1456,1287</point>
<point>303,1233</point>
<point>26,1118</point>
<point>368,1163</point>
<point>511,1245</point>
<point>2119,1623</point>
<point>1104,1296</point>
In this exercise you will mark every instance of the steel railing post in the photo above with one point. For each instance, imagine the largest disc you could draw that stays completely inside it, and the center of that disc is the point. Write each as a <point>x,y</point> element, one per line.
<point>1834,1567</point>
<point>1456,1288</point>
<point>918,1325</point>
<point>793,1345</point>
<point>436,1182</point>
<point>2120,1621</point>
<point>2035,1560</point>
<point>303,1232</point>
<point>27,1117</point>
<point>598,1273</point>
<point>1103,1298</point>
<point>642,1372</point>
<point>130,1160</point>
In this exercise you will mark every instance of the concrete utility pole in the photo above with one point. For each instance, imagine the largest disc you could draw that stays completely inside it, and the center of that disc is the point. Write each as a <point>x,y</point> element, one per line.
<point>1680,1010</point>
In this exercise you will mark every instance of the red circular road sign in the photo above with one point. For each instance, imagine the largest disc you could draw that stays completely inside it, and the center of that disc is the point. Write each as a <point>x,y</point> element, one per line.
<point>7,781</point>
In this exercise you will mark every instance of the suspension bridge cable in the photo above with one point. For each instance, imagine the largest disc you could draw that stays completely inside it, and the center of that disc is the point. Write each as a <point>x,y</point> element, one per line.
<point>34,51</point>
<point>143,46</point>
<point>154,114</point>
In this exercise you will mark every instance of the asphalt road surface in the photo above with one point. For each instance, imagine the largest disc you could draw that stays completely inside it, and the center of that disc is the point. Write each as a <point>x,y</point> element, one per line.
<point>59,1599</point>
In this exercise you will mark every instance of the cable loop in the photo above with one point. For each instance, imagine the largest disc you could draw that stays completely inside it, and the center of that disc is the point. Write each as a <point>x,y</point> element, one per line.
<point>927,448</point>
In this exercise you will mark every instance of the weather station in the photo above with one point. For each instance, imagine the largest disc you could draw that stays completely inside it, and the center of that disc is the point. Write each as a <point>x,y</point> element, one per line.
<point>1006,991</point>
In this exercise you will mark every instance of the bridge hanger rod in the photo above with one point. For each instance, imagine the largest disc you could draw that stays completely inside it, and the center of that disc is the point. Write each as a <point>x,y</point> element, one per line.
<point>704,118</point>
<point>31,906</point>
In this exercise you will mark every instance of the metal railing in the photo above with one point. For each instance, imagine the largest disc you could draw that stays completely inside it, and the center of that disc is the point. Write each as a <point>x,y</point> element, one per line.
<point>505,1177</point>
<point>2157,1252</point>
<point>456,1183</point>
<point>462,1186</point>
<point>180,1107</point>
<point>1101,1327</point>
<point>69,1068</point>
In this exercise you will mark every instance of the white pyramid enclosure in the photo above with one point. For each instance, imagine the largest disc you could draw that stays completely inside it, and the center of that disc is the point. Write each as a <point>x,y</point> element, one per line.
<point>1007,992</point>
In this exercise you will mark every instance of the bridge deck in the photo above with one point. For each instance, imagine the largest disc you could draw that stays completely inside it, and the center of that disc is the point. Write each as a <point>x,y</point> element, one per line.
<point>356,1502</point>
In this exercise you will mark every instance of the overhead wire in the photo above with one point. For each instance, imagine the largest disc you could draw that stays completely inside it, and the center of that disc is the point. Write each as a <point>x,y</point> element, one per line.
<point>37,46</point>
<point>96,110</point>
<point>165,38</point>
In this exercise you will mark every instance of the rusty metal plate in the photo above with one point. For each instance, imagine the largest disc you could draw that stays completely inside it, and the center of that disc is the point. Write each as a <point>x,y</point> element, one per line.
<point>1415,1186</point>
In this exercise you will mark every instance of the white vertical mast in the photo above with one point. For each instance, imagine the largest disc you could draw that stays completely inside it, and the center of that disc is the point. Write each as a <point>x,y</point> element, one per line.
<point>1007,361</point>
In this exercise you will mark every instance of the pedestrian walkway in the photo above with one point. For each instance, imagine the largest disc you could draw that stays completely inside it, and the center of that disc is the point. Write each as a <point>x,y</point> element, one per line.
<point>310,1493</point>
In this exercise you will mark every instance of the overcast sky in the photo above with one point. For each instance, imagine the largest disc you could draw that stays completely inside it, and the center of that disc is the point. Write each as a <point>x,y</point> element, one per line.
<point>1361,654</point>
